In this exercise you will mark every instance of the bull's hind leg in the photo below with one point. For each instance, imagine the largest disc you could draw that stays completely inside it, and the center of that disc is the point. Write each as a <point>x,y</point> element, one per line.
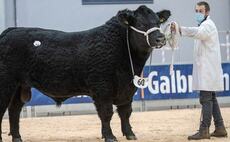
<point>15,108</point>
<point>7,90</point>
<point>4,102</point>
<point>124,112</point>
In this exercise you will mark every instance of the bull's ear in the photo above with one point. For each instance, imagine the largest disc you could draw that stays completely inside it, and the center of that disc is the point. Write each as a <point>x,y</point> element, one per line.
<point>126,17</point>
<point>164,15</point>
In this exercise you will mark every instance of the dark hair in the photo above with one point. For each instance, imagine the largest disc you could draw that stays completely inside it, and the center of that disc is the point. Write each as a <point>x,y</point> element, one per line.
<point>205,4</point>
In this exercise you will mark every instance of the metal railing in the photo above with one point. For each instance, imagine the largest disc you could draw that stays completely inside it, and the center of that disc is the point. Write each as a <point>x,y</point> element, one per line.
<point>227,43</point>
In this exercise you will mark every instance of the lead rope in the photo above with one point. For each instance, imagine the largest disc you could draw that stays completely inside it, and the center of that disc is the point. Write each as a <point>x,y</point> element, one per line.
<point>172,63</point>
<point>172,39</point>
<point>150,62</point>
<point>174,44</point>
<point>130,56</point>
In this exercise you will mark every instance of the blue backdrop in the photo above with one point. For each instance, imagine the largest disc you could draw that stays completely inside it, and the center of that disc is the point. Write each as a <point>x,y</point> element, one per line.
<point>162,86</point>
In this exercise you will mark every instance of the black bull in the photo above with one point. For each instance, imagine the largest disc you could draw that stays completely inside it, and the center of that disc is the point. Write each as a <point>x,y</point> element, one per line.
<point>93,62</point>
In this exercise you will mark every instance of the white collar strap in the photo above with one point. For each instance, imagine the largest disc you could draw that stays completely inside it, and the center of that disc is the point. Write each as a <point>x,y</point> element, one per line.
<point>147,33</point>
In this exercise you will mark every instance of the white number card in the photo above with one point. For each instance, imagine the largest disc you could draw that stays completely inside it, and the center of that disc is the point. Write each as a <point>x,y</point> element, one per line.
<point>140,82</point>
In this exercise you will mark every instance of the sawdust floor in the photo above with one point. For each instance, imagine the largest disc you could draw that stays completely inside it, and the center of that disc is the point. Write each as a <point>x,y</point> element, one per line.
<point>155,126</point>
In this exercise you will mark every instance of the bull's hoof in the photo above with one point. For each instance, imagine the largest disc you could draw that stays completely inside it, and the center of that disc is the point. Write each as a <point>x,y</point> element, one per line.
<point>17,140</point>
<point>131,137</point>
<point>111,140</point>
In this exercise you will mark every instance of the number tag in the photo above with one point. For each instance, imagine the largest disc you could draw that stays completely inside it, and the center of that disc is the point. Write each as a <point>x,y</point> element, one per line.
<point>140,82</point>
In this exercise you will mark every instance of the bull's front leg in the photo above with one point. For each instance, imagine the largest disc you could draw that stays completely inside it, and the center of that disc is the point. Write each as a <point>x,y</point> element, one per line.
<point>105,112</point>
<point>102,90</point>
<point>124,112</point>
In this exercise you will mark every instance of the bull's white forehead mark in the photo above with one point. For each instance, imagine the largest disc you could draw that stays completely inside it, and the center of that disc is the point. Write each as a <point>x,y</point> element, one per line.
<point>37,43</point>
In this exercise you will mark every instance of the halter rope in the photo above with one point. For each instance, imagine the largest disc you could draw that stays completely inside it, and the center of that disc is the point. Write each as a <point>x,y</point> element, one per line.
<point>140,82</point>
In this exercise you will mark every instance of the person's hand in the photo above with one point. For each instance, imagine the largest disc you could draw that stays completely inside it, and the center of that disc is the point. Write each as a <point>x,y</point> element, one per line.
<point>173,27</point>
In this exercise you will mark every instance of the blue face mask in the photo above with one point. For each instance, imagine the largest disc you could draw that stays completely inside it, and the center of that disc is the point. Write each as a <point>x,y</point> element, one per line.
<point>199,17</point>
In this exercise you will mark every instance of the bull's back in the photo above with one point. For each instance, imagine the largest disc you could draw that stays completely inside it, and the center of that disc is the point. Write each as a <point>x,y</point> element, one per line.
<point>45,59</point>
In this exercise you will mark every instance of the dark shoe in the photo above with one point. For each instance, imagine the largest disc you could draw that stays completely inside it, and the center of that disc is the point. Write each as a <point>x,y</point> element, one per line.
<point>203,133</point>
<point>220,132</point>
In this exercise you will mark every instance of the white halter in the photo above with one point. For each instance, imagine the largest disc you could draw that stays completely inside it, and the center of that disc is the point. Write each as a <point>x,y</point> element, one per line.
<point>146,34</point>
<point>140,82</point>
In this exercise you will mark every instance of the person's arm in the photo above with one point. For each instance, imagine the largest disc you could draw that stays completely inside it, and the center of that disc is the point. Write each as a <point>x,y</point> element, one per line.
<point>202,32</point>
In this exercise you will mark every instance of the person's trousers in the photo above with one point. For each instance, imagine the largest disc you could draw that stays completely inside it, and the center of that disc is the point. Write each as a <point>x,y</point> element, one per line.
<point>210,108</point>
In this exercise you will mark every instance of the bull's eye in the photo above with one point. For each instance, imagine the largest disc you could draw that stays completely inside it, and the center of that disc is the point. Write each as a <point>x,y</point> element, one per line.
<point>142,26</point>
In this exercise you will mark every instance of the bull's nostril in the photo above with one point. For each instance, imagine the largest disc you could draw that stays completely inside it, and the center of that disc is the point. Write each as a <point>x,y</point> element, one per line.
<point>161,39</point>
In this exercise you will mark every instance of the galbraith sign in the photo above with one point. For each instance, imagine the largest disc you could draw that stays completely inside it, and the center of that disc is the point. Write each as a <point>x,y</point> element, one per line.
<point>176,83</point>
<point>162,86</point>
<point>179,85</point>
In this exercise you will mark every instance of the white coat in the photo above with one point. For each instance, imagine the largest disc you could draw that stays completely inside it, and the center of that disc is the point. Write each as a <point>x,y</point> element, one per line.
<point>207,70</point>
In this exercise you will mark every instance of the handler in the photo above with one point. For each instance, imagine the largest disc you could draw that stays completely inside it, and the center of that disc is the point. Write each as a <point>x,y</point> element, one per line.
<point>207,70</point>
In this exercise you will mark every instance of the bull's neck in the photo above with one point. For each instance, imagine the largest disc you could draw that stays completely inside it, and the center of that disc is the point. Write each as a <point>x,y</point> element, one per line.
<point>139,58</point>
<point>139,52</point>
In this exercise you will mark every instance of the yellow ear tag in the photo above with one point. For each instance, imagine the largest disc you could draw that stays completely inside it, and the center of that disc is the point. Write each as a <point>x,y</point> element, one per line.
<point>162,20</point>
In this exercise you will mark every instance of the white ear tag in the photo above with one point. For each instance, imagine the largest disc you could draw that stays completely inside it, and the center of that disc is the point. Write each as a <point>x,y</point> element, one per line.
<point>126,22</point>
<point>37,43</point>
<point>140,82</point>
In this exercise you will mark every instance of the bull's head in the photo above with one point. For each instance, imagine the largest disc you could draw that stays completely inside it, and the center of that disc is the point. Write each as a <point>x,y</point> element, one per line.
<point>144,25</point>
